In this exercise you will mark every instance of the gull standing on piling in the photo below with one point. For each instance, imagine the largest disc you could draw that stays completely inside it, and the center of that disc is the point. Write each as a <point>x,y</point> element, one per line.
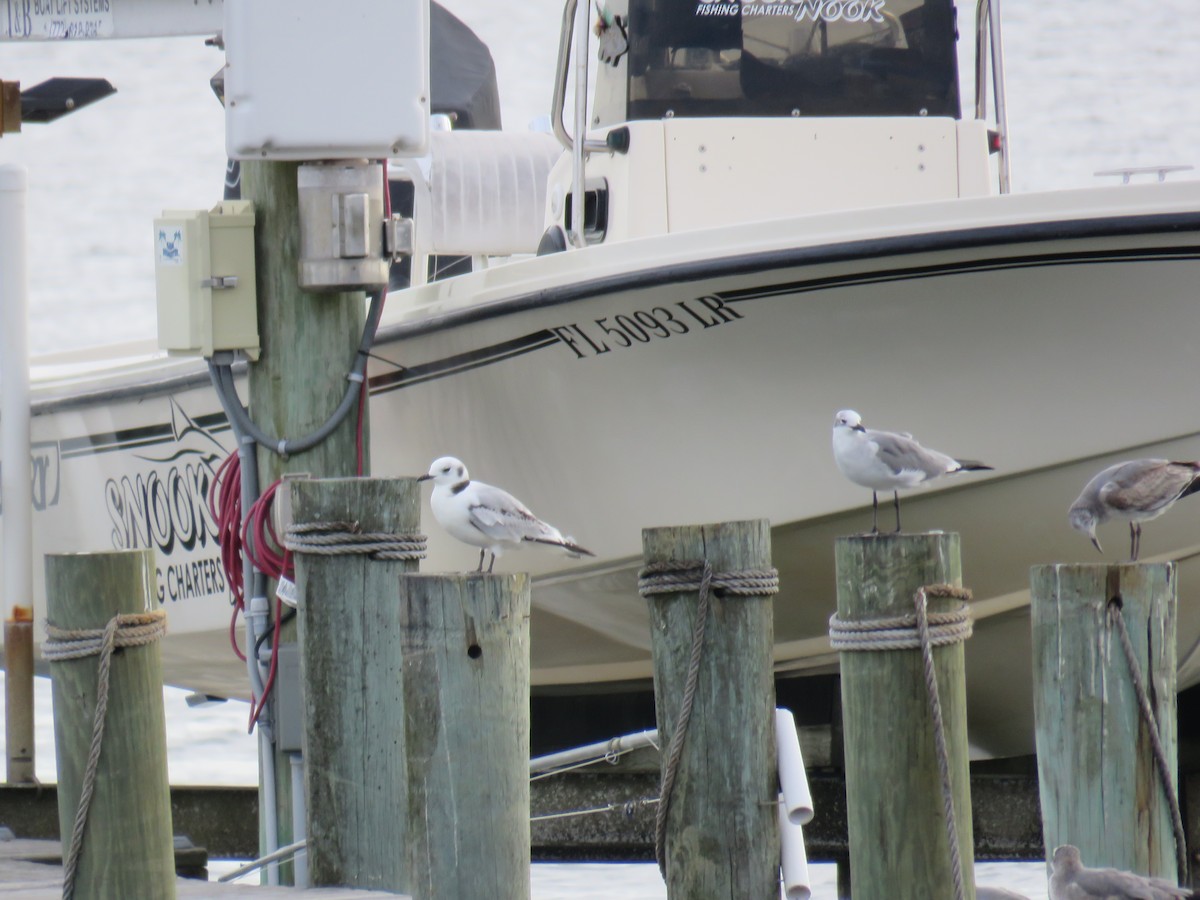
<point>485,516</point>
<point>1072,880</point>
<point>888,461</point>
<point>1136,491</point>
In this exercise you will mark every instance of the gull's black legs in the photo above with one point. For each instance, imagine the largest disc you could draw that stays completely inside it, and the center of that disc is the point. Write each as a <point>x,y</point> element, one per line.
<point>896,500</point>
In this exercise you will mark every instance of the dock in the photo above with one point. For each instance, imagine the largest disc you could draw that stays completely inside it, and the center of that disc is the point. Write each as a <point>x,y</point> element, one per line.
<point>32,870</point>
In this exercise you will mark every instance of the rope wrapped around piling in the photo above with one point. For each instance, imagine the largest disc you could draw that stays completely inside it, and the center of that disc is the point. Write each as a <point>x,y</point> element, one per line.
<point>679,577</point>
<point>922,631</point>
<point>1161,762</point>
<point>63,644</point>
<point>345,538</point>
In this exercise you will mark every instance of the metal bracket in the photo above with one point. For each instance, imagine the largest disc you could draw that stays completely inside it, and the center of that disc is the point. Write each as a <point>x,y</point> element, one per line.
<point>398,237</point>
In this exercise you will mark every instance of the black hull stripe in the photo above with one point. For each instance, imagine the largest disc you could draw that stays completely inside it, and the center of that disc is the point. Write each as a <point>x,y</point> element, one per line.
<point>127,438</point>
<point>463,362</point>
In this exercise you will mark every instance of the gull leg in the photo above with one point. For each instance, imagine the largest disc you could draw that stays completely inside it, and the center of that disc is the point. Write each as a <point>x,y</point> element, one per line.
<point>492,563</point>
<point>1135,540</point>
<point>874,513</point>
<point>480,567</point>
<point>896,500</point>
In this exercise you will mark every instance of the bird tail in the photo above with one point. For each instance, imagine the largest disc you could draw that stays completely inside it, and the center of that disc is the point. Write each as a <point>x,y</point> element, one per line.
<point>567,543</point>
<point>972,465</point>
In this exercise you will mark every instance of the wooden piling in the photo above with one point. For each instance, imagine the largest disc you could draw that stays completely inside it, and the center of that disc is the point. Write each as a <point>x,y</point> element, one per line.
<point>128,849</point>
<point>18,696</point>
<point>308,344</point>
<point>722,829</point>
<point>349,627</point>
<point>895,813</point>
<point>1100,789</point>
<point>465,645</point>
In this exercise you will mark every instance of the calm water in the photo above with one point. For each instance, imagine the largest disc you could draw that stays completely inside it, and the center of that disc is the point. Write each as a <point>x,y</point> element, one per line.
<point>1090,86</point>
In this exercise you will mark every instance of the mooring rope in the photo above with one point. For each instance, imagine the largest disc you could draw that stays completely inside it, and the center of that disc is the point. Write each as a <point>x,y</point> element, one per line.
<point>1160,754</point>
<point>922,630</point>
<point>62,644</point>
<point>680,577</point>
<point>345,538</point>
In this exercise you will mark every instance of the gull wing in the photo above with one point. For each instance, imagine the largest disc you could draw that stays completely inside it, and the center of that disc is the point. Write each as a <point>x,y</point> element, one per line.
<point>501,516</point>
<point>1146,485</point>
<point>901,453</point>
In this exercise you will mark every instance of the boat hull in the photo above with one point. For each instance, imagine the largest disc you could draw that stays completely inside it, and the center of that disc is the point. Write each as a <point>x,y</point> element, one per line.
<point>695,380</point>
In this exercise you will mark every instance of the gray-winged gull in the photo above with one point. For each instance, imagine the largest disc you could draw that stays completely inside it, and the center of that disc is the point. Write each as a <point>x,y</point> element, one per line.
<point>1135,491</point>
<point>888,461</point>
<point>485,516</point>
<point>1072,880</point>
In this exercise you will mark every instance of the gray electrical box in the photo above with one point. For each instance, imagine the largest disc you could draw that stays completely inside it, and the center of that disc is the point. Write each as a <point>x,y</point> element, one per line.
<point>204,277</point>
<point>289,700</point>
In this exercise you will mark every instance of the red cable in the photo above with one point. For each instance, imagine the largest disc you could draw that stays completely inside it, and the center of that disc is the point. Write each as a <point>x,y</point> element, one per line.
<point>225,505</point>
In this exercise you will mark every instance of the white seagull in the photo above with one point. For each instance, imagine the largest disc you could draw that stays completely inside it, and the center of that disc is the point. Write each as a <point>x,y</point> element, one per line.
<point>485,516</point>
<point>1135,491</point>
<point>1071,880</point>
<point>888,461</point>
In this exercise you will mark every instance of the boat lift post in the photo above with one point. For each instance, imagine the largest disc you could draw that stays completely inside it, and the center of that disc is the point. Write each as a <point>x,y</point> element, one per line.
<point>1100,787</point>
<point>898,771</point>
<point>714,697</point>
<point>16,486</point>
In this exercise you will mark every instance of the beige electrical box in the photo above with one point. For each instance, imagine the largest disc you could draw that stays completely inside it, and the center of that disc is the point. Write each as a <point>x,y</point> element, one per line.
<point>204,275</point>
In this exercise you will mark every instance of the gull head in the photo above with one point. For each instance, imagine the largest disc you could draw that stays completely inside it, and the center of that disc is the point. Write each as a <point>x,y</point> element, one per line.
<point>848,418</point>
<point>446,470</point>
<point>1083,519</point>
<point>1066,855</point>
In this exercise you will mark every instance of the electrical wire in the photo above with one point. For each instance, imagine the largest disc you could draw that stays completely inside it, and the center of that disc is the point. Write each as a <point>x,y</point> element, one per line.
<point>225,505</point>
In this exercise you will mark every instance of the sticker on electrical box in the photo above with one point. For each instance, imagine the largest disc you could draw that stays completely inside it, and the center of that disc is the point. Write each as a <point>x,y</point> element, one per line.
<point>170,246</point>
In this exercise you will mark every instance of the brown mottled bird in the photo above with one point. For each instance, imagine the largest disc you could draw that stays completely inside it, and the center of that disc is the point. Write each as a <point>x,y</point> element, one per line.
<point>1072,880</point>
<point>1136,491</point>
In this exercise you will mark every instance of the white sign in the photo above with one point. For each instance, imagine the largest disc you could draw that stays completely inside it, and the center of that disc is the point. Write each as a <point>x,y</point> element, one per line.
<point>42,20</point>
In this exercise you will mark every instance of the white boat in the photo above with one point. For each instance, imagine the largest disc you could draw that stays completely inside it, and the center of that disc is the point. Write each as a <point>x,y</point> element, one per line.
<point>786,214</point>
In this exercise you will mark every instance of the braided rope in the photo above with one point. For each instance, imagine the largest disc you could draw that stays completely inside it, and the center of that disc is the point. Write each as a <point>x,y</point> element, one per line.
<point>345,538</point>
<point>680,577</point>
<point>132,630</point>
<point>1160,754</point>
<point>921,630</point>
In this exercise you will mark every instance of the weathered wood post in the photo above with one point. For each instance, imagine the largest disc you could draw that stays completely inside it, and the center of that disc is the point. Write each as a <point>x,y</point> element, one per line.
<point>895,813</point>
<point>1099,784</point>
<point>18,696</point>
<point>720,835</point>
<point>127,849</point>
<point>308,343</point>
<point>465,646</point>
<point>349,625</point>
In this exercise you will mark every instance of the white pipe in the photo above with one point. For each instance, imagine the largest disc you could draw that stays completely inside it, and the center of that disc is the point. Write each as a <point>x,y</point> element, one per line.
<point>16,480</point>
<point>793,858</point>
<point>578,182</point>
<point>281,853</point>
<point>793,780</point>
<point>299,821</point>
<point>595,751</point>
<point>998,93</point>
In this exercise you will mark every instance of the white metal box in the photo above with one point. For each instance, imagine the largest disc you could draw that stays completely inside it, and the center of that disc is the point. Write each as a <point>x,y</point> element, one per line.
<point>204,275</point>
<point>309,80</point>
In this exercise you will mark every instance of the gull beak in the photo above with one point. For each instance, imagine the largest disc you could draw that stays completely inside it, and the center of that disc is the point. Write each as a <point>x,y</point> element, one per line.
<point>424,477</point>
<point>859,427</point>
<point>1096,544</point>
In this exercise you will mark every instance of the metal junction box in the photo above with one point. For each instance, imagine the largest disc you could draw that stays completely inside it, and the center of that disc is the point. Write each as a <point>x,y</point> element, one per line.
<point>204,275</point>
<point>341,226</point>
<point>318,80</point>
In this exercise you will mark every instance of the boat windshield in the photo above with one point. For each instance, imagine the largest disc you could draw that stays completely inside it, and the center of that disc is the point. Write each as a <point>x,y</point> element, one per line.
<point>783,58</point>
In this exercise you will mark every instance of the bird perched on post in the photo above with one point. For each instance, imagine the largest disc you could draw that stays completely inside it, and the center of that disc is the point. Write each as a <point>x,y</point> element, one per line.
<point>1136,491</point>
<point>1072,880</point>
<point>485,516</point>
<point>888,461</point>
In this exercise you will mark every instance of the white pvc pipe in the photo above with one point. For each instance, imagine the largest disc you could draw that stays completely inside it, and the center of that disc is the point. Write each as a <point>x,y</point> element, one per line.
<point>16,483</point>
<point>593,752</point>
<point>793,780</point>
<point>299,821</point>
<point>793,858</point>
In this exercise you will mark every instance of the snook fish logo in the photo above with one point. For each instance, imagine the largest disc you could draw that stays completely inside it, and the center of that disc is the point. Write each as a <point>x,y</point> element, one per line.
<point>164,505</point>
